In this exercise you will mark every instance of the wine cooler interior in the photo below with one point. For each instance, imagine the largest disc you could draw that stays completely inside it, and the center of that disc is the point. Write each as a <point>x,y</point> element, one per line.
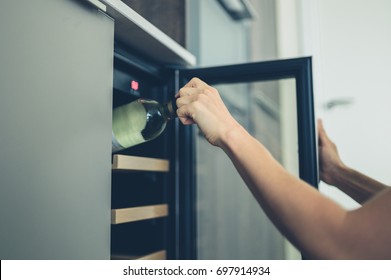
<point>142,176</point>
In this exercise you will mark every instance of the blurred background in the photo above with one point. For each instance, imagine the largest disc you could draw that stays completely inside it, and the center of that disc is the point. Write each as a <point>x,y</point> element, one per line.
<point>350,45</point>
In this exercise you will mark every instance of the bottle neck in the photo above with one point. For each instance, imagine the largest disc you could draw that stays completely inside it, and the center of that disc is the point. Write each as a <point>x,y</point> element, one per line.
<point>169,109</point>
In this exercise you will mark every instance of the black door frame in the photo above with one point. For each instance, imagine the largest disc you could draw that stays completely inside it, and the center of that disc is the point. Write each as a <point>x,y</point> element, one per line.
<point>298,68</point>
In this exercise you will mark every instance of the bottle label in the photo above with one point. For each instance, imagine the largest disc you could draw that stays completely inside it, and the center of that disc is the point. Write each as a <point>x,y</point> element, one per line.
<point>128,123</point>
<point>114,144</point>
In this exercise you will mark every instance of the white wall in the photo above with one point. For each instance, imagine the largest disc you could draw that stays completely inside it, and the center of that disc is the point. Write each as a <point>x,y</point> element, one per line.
<point>351,44</point>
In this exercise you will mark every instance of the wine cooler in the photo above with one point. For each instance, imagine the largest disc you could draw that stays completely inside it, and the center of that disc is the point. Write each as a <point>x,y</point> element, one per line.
<point>154,201</point>
<point>146,195</point>
<point>153,184</point>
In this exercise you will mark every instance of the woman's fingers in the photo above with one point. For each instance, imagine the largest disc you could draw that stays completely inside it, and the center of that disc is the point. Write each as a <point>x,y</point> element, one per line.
<point>187,91</point>
<point>198,103</point>
<point>194,83</point>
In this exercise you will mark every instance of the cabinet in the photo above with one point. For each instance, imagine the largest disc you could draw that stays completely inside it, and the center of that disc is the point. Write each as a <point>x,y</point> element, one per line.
<point>55,116</point>
<point>56,87</point>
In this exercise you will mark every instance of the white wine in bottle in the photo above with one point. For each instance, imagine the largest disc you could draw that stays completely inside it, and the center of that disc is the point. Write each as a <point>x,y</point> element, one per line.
<point>140,121</point>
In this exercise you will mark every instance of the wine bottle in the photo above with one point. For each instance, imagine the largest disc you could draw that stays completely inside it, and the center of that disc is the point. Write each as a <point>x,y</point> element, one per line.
<point>140,121</point>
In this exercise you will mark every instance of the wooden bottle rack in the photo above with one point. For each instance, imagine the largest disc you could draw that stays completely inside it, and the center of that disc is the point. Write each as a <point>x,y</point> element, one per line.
<point>133,163</point>
<point>133,214</point>
<point>159,255</point>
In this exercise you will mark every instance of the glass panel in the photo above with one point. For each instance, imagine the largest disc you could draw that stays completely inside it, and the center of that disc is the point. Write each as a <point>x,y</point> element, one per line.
<point>230,223</point>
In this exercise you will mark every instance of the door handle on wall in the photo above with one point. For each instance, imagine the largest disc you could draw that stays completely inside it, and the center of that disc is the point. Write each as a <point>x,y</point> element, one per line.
<point>338,102</point>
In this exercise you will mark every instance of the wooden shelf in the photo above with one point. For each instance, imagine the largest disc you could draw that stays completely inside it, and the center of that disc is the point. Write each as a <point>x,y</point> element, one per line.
<point>127,215</point>
<point>132,163</point>
<point>160,255</point>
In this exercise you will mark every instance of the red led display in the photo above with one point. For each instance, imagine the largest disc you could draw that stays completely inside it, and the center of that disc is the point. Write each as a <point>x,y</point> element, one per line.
<point>134,85</point>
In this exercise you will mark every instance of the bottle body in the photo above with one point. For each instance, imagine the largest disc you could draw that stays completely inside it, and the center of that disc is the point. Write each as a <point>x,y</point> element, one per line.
<point>138,122</point>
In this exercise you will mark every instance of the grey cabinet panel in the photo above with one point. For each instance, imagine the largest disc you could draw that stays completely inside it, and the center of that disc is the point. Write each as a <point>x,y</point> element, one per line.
<point>55,130</point>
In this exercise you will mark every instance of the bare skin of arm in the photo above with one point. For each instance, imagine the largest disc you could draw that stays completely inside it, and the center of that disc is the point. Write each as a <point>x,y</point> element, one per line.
<point>317,226</point>
<point>334,172</point>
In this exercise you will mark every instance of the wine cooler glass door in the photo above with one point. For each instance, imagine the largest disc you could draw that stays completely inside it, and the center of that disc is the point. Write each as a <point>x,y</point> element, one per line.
<point>273,101</point>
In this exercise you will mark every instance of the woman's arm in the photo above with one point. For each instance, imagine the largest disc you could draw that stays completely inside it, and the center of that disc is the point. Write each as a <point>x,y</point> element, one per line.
<point>334,172</point>
<point>316,225</point>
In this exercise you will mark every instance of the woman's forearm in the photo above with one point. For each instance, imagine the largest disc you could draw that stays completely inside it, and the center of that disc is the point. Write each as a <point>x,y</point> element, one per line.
<point>357,185</point>
<point>298,210</point>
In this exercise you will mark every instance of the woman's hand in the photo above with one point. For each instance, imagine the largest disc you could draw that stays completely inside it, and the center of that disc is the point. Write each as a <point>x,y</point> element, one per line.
<point>198,103</point>
<point>329,161</point>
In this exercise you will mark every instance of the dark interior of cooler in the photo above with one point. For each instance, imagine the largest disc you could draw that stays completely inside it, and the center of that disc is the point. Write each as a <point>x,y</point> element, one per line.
<point>141,188</point>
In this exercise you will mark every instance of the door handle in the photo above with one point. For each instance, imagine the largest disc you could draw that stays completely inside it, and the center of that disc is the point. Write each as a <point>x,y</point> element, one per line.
<point>329,105</point>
